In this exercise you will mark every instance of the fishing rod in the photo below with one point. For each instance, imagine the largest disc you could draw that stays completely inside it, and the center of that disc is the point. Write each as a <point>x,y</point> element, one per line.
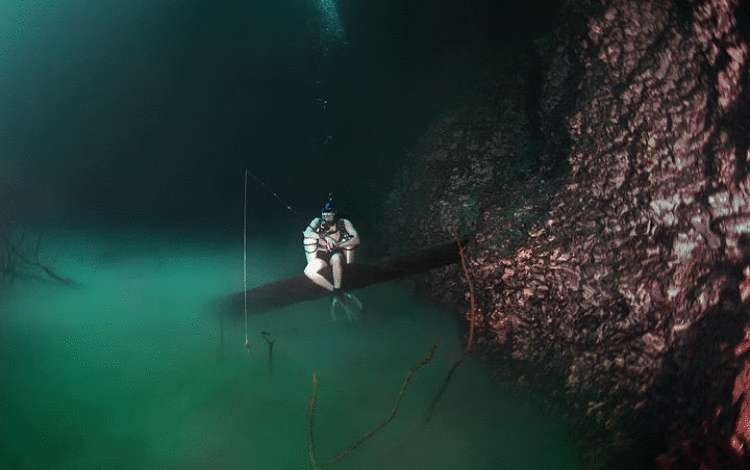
<point>288,207</point>
<point>270,191</point>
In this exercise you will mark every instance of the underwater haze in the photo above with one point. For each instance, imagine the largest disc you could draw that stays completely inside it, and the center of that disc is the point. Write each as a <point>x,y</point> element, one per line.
<point>149,110</point>
<point>125,131</point>
<point>134,369</point>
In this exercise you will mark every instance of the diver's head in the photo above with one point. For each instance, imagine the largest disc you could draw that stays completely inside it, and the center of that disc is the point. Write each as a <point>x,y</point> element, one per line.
<point>328,212</point>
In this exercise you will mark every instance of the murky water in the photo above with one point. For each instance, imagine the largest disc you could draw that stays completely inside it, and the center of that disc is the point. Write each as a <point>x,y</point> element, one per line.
<point>130,371</point>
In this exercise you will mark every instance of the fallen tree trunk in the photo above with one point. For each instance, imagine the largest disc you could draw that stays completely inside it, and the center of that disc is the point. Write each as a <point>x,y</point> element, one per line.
<point>356,276</point>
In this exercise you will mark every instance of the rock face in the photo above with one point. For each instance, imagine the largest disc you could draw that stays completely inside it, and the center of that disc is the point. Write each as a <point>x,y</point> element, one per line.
<point>631,277</point>
<point>467,175</point>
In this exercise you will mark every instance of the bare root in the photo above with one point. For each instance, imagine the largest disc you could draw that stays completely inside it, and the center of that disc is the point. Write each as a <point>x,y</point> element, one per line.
<point>20,260</point>
<point>377,428</point>
<point>473,317</point>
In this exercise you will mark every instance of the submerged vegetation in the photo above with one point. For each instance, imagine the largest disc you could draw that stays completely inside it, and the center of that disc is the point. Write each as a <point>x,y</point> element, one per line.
<point>19,251</point>
<point>20,259</point>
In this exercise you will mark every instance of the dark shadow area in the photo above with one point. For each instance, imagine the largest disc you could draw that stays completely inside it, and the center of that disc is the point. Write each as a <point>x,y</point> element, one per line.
<point>696,380</point>
<point>148,113</point>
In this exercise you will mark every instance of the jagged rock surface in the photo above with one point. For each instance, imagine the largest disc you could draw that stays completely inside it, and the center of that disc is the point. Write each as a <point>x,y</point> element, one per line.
<point>631,279</point>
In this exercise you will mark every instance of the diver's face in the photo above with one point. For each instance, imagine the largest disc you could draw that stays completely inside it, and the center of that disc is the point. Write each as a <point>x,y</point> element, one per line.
<point>328,216</point>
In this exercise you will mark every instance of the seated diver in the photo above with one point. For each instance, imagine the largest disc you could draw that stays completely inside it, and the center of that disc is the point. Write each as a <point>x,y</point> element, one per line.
<point>329,240</point>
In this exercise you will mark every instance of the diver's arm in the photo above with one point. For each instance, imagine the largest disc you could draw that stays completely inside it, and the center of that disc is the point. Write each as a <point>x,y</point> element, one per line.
<point>354,240</point>
<point>311,239</point>
<point>311,230</point>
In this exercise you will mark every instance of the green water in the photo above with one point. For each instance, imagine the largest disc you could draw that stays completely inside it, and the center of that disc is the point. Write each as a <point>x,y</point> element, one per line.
<point>129,371</point>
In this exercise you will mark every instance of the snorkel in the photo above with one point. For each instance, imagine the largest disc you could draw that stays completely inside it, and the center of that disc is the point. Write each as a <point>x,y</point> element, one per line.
<point>328,212</point>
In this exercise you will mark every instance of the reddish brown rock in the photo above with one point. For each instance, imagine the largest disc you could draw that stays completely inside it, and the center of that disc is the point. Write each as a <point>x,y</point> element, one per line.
<point>633,278</point>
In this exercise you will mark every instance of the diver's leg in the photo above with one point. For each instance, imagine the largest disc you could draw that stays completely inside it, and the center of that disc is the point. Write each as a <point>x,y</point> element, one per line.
<point>337,266</point>
<point>332,309</point>
<point>350,297</point>
<point>351,313</point>
<point>337,303</point>
<point>312,271</point>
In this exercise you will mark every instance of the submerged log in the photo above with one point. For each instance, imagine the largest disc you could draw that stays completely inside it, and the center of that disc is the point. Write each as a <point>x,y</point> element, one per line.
<point>356,276</point>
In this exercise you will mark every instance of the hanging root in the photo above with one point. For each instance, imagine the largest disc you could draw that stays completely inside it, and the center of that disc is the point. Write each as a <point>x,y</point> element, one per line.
<point>472,316</point>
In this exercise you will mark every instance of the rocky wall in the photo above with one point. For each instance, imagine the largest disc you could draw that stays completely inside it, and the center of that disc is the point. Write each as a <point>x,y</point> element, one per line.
<point>631,279</point>
<point>638,281</point>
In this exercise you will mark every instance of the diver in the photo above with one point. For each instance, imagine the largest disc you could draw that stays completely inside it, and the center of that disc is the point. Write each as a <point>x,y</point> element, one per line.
<point>331,241</point>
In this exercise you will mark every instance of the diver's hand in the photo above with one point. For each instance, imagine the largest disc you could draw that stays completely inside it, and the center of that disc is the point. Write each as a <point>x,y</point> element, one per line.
<point>330,243</point>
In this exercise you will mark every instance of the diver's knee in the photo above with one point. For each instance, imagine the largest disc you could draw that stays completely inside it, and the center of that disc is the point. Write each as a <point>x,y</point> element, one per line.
<point>312,269</point>
<point>337,259</point>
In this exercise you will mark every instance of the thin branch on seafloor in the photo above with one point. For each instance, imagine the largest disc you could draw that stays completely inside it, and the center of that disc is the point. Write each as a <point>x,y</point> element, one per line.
<point>267,338</point>
<point>311,453</point>
<point>472,316</point>
<point>372,432</point>
<point>15,258</point>
<point>443,388</point>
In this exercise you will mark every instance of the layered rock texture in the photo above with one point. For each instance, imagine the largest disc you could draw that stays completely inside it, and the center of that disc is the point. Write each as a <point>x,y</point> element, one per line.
<point>627,273</point>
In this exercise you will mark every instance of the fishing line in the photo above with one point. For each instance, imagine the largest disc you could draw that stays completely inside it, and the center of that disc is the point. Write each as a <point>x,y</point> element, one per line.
<point>244,260</point>
<point>286,205</point>
<point>270,191</point>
